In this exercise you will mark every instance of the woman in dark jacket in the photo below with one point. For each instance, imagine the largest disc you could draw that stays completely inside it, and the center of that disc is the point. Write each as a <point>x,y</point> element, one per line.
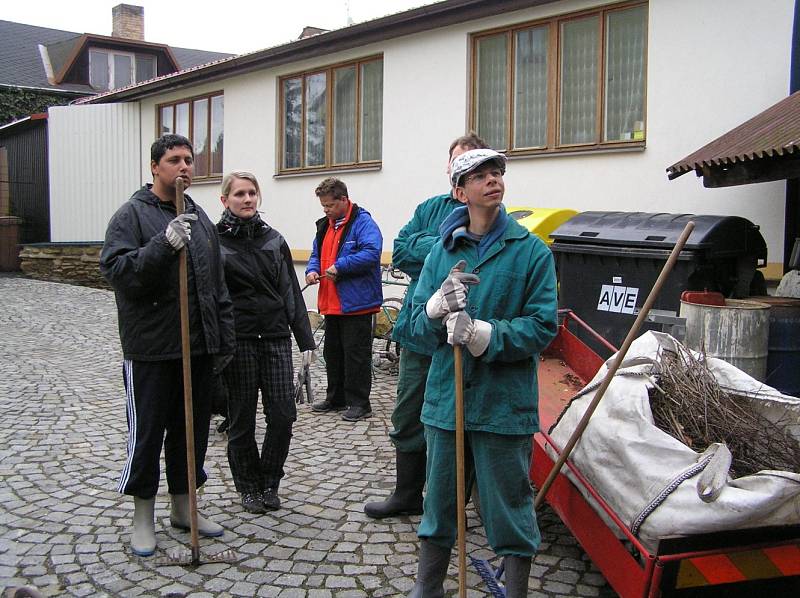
<point>268,307</point>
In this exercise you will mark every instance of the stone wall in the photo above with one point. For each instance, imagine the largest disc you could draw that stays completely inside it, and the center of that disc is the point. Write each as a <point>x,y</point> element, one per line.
<point>75,263</point>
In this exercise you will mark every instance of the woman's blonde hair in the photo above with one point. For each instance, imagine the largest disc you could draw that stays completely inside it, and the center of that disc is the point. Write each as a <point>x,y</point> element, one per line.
<point>227,182</point>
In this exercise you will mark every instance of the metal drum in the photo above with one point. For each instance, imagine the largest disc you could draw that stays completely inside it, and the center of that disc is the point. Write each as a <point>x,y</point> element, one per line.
<point>783,360</point>
<point>736,332</point>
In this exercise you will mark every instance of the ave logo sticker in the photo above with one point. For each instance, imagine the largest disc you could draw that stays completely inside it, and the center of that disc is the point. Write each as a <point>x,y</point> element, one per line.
<point>618,299</point>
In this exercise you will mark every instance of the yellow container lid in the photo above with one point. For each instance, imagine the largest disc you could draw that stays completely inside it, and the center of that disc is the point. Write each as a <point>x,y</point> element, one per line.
<point>541,221</point>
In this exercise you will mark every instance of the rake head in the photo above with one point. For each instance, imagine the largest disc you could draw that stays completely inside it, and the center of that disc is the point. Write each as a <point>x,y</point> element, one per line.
<point>184,557</point>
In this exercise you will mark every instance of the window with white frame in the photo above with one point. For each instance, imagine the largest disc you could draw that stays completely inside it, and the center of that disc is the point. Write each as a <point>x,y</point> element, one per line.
<point>575,82</point>
<point>332,117</point>
<point>200,119</point>
<point>113,69</point>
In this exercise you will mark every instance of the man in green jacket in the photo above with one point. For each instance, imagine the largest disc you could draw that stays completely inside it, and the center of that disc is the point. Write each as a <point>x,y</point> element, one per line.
<point>411,247</point>
<point>503,322</point>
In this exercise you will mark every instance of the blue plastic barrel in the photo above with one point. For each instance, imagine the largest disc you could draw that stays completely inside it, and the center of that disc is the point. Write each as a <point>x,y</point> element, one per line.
<point>783,357</point>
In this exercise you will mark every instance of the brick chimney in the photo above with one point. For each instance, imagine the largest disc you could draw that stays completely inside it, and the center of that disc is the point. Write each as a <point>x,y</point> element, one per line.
<point>128,21</point>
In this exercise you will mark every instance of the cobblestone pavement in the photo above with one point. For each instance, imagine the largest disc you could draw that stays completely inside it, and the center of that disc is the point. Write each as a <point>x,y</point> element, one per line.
<point>65,530</point>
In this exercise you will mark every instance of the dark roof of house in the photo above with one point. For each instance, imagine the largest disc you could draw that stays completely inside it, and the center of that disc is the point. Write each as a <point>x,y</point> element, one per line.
<point>22,64</point>
<point>424,18</point>
<point>772,135</point>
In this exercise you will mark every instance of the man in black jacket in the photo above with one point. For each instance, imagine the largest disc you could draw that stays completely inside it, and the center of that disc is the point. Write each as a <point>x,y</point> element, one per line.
<point>140,261</point>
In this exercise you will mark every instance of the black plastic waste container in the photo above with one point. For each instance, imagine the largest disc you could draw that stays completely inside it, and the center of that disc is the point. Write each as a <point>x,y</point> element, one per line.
<point>608,262</point>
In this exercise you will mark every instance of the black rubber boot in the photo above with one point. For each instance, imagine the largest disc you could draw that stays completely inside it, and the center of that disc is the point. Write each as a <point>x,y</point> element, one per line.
<point>518,569</point>
<point>431,571</point>
<point>407,496</point>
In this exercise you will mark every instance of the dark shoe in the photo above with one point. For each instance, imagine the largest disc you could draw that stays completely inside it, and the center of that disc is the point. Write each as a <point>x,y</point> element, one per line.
<point>270,500</point>
<point>252,503</point>
<point>518,569</point>
<point>353,414</point>
<point>325,406</point>
<point>431,571</point>
<point>407,496</point>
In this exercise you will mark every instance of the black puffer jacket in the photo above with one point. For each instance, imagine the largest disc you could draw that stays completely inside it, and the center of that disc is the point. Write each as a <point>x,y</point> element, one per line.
<point>267,302</point>
<point>142,267</point>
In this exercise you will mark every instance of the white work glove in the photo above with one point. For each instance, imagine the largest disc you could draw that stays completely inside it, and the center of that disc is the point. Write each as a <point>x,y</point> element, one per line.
<point>179,230</point>
<point>452,295</point>
<point>308,357</point>
<point>463,330</point>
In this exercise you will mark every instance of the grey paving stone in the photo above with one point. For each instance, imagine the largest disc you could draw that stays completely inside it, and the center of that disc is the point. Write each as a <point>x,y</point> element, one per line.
<point>64,526</point>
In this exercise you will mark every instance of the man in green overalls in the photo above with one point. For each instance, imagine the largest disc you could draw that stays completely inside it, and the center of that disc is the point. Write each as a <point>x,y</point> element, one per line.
<point>503,322</point>
<point>411,247</point>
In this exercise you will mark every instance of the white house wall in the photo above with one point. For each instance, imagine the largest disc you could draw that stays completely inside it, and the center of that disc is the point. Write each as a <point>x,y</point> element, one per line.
<point>93,154</point>
<point>712,64</point>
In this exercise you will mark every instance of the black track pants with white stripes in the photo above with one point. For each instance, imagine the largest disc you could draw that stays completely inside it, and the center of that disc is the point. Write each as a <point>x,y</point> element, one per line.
<point>154,391</point>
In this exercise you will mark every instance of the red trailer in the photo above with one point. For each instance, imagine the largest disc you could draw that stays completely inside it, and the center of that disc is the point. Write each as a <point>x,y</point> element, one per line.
<point>753,562</point>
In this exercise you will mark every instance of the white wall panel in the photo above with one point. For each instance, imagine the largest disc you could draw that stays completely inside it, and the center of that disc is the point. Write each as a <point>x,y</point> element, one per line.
<point>712,64</point>
<point>95,166</point>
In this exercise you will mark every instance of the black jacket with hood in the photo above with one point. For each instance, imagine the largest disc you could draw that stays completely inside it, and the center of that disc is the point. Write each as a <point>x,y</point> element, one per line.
<point>267,302</point>
<point>142,268</point>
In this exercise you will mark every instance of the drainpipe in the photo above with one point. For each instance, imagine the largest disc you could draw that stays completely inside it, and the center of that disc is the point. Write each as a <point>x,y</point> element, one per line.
<point>792,211</point>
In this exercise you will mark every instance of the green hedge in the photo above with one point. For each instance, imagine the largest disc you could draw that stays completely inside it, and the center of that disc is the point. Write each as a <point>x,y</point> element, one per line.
<point>19,103</point>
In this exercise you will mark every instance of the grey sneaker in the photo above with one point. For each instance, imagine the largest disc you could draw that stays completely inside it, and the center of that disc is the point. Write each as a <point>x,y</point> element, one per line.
<point>270,500</point>
<point>252,503</point>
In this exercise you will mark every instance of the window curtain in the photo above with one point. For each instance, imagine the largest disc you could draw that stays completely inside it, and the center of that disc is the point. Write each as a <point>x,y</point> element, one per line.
<point>344,115</point>
<point>200,137</point>
<point>292,122</point>
<point>316,111</point>
<point>98,70</point>
<point>217,131</point>
<point>625,57</point>
<point>145,68</point>
<point>371,110</point>
<point>579,80</point>
<point>167,115</point>
<point>182,119</point>
<point>123,69</point>
<point>492,92</point>
<point>530,99</point>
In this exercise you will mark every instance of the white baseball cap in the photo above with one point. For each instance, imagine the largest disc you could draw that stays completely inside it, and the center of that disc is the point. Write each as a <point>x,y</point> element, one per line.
<point>469,161</point>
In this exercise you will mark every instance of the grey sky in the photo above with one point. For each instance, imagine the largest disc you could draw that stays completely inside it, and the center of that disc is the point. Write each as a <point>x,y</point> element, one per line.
<point>235,26</point>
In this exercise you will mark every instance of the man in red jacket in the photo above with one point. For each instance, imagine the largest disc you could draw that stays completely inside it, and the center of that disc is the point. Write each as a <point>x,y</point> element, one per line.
<point>346,262</point>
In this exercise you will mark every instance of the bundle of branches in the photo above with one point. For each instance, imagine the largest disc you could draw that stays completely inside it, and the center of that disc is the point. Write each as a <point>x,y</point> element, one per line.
<point>690,405</point>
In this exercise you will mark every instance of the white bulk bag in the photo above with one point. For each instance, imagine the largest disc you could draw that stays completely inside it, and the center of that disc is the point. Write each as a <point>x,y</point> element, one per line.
<point>650,479</point>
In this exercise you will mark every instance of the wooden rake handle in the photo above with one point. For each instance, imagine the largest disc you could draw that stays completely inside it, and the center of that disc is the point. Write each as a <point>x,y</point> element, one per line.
<point>460,475</point>
<point>651,298</point>
<point>186,354</point>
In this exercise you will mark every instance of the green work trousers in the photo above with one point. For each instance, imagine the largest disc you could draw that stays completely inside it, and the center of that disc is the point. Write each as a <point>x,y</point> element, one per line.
<point>408,435</point>
<point>499,464</point>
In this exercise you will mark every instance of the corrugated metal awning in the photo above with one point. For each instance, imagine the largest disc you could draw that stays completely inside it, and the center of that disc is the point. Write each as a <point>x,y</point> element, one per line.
<point>766,147</point>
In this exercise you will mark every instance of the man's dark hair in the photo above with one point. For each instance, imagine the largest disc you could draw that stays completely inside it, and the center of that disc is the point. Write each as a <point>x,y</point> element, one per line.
<point>167,142</point>
<point>333,187</point>
<point>471,141</point>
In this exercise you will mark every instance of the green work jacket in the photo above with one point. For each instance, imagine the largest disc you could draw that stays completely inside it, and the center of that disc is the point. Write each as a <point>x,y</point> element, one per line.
<point>517,296</point>
<point>411,247</point>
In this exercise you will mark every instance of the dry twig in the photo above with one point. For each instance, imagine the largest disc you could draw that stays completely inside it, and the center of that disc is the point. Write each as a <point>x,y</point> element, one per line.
<point>690,405</point>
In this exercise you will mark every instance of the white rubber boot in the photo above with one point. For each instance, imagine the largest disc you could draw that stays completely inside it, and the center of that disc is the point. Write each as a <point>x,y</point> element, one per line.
<point>143,537</point>
<point>179,518</point>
